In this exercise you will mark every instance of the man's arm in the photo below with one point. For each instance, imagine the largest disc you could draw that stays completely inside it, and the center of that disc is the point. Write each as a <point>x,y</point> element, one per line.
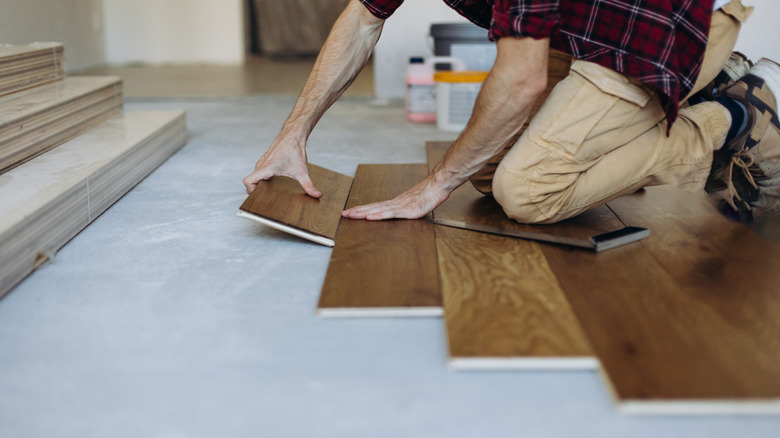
<point>343,55</point>
<point>516,80</point>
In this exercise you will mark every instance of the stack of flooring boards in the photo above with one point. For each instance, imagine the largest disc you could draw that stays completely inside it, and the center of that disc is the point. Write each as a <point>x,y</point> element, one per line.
<point>684,322</point>
<point>67,152</point>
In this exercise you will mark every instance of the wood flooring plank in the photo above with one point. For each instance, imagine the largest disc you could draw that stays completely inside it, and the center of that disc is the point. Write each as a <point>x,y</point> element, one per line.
<point>23,67</point>
<point>36,120</point>
<point>686,321</point>
<point>281,203</point>
<point>503,306</point>
<point>49,199</point>
<point>382,268</point>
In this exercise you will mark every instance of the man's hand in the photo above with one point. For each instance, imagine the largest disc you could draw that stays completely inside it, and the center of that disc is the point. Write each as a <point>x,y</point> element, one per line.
<point>412,204</point>
<point>345,52</point>
<point>282,160</point>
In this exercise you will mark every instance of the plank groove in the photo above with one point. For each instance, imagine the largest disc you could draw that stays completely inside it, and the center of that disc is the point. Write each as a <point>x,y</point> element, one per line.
<point>281,203</point>
<point>382,268</point>
<point>503,306</point>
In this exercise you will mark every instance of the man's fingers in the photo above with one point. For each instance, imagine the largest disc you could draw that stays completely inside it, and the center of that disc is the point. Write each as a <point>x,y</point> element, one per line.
<point>380,211</point>
<point>308,186</point>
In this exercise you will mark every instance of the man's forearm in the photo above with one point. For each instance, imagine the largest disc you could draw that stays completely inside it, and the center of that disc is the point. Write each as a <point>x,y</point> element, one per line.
<point>517,79</point>
<point>343,55</point>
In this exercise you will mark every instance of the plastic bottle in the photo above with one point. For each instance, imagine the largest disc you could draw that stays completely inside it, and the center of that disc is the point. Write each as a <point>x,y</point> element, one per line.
<point>420,87</point>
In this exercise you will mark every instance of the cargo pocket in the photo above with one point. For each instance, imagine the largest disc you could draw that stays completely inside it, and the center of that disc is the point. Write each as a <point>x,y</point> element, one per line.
<point>588,114</point>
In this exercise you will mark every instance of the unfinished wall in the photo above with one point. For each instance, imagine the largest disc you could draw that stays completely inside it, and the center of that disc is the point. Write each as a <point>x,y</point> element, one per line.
<point>174,31</point>
<point>760,37</point>
<point>76,23</point>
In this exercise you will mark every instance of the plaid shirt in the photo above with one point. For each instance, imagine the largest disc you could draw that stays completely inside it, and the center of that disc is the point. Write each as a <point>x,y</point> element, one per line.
<point>661,43</point>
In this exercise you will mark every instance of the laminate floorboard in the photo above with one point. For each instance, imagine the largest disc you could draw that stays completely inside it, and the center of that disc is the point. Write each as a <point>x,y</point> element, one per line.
<point>281,203</point>
<point>503,306</point>
<point>686,321</point>
<point>35,120</point>
<point>28,66</point>
<point>49,199</point>
<point>382,268</point>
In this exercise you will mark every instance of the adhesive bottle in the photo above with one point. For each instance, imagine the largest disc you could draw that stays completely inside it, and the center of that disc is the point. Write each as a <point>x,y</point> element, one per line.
<point>421,88</point>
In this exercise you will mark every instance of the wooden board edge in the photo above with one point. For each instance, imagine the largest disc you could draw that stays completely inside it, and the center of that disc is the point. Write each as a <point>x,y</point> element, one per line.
<point>726,407</point>
<point>574,363</point>
<point>380,312</point>
<point>288,229</point>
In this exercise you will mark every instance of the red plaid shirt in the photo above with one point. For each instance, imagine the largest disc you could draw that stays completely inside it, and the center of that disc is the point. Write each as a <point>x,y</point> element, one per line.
<point>661,43</point>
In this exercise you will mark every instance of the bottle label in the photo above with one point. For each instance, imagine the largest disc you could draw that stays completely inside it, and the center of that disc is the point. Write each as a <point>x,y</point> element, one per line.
<point>462,99</point>
<point>422,99</point>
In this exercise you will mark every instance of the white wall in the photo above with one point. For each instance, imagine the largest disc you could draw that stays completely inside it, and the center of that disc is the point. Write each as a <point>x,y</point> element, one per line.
<point>78,24</point>
<point>405,34</point>
<point>760,36</point>
<point>174,31</point>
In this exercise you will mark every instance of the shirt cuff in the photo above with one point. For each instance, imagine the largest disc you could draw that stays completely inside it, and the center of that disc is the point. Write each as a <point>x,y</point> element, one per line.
<point>520,25</point>
<point>381,9</point>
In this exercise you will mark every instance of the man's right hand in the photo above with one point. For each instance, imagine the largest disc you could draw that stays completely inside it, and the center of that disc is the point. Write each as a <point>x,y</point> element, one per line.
<point>285,161</point>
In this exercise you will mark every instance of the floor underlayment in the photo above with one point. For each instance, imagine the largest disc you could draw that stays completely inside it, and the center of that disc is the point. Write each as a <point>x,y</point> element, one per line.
<point>170,316</point>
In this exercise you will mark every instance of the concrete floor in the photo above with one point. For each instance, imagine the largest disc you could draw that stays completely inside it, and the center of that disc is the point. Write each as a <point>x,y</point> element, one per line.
<point>169,316</point>
<point>258,76</point>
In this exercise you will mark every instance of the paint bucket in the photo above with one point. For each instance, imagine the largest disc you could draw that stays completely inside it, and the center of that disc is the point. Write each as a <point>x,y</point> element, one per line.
<point>456,92</point>
<point>465,41</point>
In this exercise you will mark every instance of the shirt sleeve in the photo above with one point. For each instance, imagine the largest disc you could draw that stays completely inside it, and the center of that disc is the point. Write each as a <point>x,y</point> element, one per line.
<point>382,8</point>
<point>524,18</point>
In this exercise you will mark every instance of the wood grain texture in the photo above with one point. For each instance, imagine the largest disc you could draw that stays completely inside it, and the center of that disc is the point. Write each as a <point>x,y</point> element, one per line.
<point>503,306</point>
<point>382,268</point>
<point>687,320</point>
<point>282,200</point>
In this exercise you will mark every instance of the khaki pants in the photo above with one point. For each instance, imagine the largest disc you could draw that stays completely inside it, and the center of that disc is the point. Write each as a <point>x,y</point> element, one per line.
<point>599,135</point>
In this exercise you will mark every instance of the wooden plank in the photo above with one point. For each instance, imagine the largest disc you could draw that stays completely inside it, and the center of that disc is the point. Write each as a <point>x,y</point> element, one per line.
<point>382,268</point>
<point>281,203</point>
<point>503,306</point>
<point>36,120</point>
<point>49,199</point>
<point>29,66</point>
<point>686,321</point>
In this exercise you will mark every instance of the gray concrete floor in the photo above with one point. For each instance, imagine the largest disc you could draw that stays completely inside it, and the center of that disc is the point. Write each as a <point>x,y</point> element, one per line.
<point>169,316</point>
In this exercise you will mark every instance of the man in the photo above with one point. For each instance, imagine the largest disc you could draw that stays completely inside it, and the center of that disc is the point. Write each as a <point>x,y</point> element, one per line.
<point>614,124</point>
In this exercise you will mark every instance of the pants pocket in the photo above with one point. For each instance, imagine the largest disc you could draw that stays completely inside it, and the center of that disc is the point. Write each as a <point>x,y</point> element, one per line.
<point>591,112</point>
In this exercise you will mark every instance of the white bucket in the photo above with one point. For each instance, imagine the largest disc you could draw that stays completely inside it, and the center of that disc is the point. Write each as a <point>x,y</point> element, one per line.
<point>456,92</point>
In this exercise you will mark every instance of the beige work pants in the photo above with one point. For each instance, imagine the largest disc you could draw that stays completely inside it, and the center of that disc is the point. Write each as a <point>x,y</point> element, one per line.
<point>600,135</point>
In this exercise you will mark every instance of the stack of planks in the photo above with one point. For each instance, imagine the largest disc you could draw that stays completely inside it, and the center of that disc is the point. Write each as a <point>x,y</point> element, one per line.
<point>67,152</point>
<point>685,322</point>
<point>29,66</point>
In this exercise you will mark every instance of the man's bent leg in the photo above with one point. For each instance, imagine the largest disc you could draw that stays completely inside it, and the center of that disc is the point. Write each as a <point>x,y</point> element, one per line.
<point>724,30</point>
<point>557,69</point>
<point>603,135</point>
<point>598,136</point>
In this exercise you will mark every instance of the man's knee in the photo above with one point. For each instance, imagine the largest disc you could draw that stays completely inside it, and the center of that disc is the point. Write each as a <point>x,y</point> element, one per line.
<point>512,192</point>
